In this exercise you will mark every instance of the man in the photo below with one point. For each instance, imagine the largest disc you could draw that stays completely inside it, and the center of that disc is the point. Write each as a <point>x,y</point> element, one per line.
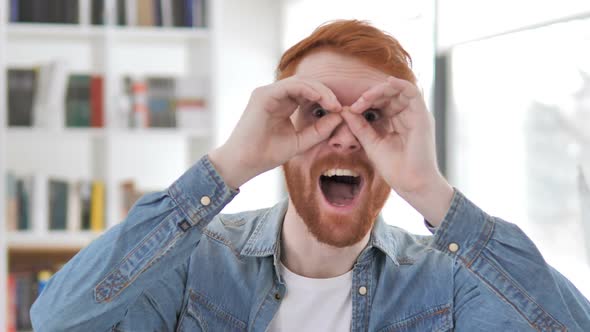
<point>348,125</point>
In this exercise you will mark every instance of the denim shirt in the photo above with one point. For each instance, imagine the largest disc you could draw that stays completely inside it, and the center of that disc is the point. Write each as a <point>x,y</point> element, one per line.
<point>176,264</point>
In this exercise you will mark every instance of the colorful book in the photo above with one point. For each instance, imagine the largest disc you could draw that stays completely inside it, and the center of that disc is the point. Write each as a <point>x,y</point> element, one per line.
<point>23,192</point>
<point>145,13</point>
<point>73,223</point>
<point>11,202</point>
<point>96,101</point>
<point>11,304</point>
<point>85,188</point>
<point>49,103</point>
<point>58,204</point>
<point>22,85</point>
<point>78,101</point>
<point>97,205</point>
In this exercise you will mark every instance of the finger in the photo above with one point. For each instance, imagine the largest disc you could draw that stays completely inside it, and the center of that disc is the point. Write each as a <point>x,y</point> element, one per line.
<point>319,131</point>
<point>399,126</point>
<point>293,90</point>
<point>378,96</point>
<point>361,129</point>
<point>408,89</point>
<point>328,99</point>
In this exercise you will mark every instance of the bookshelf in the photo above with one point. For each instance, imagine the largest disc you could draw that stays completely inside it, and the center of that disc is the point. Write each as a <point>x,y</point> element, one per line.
<point>151,157</point>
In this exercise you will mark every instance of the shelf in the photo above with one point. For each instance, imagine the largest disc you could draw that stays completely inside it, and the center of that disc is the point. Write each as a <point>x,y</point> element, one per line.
<point>160,34</point>
<point>136,34</point>
<point>51,241</point>
<point>84,133</point>
<point>74,133</point>
<point>51,30</point>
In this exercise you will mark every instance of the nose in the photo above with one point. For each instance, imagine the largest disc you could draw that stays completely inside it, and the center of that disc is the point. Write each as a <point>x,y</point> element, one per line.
<point>343,140</point>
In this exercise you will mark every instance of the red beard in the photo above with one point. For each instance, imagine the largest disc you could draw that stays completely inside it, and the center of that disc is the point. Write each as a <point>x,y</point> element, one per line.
<point>336,230</point>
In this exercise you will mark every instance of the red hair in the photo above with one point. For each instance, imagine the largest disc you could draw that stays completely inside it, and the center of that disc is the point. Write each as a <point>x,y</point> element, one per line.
<point>357,39</point>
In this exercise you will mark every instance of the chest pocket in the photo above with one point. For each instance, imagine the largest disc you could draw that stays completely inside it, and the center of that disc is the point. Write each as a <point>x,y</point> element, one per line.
<point>201,314</point>
<point>437,319</point>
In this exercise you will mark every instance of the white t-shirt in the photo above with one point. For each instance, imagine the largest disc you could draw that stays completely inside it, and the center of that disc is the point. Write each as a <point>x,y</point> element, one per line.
<point>314,304</point>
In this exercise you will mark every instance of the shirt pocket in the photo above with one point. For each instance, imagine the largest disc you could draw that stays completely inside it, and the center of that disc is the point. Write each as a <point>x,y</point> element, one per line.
<point>436,319</point>
<point>201,314</point>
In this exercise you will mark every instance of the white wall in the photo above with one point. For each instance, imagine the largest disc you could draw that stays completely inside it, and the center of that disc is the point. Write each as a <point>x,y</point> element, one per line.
<point>247,44</point>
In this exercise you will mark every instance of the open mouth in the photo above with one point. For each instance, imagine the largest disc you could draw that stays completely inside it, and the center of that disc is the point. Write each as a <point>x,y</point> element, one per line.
<point>340,186</point>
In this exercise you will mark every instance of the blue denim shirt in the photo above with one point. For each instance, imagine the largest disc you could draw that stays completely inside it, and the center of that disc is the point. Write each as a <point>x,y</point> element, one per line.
<point>176,264</point>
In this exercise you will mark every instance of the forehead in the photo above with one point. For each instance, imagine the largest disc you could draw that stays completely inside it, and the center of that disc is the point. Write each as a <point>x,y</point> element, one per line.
<point>346,76</point>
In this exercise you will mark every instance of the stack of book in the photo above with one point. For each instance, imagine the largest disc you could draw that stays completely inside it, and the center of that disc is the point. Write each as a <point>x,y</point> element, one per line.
<point>44,11</point>
<point>48,97</point>
<point>57,204</point>
<point>164,13</point>
<point>23,288</point>
<point>165,102</point>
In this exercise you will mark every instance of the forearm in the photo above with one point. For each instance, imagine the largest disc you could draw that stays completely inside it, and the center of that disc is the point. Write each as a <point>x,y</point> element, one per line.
<point>94,289</point>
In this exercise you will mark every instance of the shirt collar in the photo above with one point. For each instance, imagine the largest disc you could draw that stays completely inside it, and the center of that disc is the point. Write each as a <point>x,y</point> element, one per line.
<point>265,239</point>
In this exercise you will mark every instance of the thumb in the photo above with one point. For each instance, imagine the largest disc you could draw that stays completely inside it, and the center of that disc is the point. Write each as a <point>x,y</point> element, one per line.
<point>319,131</point>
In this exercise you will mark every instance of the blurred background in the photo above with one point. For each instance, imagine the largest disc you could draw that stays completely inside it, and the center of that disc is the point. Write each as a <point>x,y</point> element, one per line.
<point>104,100</point>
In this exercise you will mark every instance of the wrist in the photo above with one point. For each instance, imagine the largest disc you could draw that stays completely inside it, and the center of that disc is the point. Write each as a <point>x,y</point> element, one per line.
<point>229,167</point>
<point>432,201</point>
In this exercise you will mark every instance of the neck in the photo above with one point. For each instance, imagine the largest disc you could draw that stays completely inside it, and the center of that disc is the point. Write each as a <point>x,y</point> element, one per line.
<point>303,254</point>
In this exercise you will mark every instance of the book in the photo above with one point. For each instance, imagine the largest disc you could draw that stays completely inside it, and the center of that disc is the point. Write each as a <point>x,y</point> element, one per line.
<point>140,111</point>
<point>25,296</point>
<point>73,222</point>
<point>131,10</point>
<point>97,205</point>
<point>121,12</point>
<point>11,202</point>
<point>130,195</point>
<point>85,189</point>
<point>160,92</point>
<point>21,93</point>
<point>166,11</point>
<point>97,12</point>
<point>145,13</point>
<point>58,204</point>
<point>45,11</point>
<point>96,101</point>
<point>14,9</point>
<point>78,101</point>
<point>23,193</point>
<point>11,304</point>
<point>49,101</point>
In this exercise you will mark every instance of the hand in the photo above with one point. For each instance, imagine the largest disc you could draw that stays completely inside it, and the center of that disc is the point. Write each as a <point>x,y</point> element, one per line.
<point>405,153</point>
<point>265,137</point>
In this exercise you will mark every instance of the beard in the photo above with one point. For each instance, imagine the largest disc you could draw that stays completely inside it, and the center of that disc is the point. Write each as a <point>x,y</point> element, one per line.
<point>336,230</point>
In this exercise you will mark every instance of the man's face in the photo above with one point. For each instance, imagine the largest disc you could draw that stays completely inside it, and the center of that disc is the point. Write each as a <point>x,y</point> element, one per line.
<point>334,186</point>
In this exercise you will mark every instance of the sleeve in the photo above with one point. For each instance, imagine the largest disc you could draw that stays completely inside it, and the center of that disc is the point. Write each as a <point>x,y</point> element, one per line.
<point>509,270</point>
<point>95,289</point>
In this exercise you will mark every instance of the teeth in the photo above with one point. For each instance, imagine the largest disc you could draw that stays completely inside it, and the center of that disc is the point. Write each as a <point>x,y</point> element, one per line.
<point>340,172</point>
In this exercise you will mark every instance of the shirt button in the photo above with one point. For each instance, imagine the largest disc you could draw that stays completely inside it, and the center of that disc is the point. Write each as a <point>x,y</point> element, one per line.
<point>362,290</point>
<point>453,247</point>
<point>205,200</point>
<point>277,296</point>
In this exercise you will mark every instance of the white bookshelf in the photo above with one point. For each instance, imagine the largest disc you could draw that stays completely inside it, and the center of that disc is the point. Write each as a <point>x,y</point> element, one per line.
<point>238,51</point>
